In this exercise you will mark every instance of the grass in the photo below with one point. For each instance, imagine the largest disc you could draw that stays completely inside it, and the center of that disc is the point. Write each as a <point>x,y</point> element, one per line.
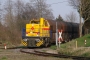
<point>86,54</point>
<point>69,48</point>
<point>53,47</point>
<point>81,41</point>
<point>3,58</point>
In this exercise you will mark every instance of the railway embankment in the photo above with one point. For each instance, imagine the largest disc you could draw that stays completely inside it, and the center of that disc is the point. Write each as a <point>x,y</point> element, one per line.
<point>77,47</point>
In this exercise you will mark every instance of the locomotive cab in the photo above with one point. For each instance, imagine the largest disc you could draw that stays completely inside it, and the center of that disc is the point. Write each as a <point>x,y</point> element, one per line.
<point>36,33</point>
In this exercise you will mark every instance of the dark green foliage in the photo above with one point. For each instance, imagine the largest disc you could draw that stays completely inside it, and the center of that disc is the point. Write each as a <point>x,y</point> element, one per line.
<point>59,18</point>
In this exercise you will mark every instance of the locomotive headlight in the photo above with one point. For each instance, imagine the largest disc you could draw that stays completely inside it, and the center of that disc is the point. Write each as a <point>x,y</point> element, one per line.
<point>37,35</point>
<point>25,40</point>
<point>31,32</point>
<point>26,34</point>
<point>37,40</point>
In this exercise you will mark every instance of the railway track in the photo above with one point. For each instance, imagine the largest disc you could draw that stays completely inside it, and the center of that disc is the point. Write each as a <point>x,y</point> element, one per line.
<point>39,53</point>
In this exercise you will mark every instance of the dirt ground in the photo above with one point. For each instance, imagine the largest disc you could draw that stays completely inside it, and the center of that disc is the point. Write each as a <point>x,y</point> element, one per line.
<point>15,54</point>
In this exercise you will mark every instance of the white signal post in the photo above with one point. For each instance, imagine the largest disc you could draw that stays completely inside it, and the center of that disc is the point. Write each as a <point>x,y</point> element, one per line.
<point>60,37</point>
<point>56,35</point>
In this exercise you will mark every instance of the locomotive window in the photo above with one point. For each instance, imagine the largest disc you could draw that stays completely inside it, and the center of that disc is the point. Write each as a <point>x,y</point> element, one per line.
<point>35,22</point>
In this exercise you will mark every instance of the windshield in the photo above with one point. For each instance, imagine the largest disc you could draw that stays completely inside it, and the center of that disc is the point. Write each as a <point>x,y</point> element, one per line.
<point>35,22</point>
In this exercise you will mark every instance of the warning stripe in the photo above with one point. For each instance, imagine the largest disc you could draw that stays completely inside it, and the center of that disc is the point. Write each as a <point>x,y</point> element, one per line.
<point>24,43</point>
<point>39,43</point>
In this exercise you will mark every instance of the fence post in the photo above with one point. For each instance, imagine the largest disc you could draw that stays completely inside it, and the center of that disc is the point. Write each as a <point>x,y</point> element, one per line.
<point>5,46</point>
<point>76,43</point>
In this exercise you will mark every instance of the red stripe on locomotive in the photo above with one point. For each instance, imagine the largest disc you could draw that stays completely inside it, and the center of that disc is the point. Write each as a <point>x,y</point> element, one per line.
<point>46,29</point>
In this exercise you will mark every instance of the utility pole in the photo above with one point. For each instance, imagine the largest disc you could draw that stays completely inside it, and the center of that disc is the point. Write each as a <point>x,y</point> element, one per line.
<point>80,26</point>
<point>0,11</point>
<point>56,35</point>
<point>40,8</point>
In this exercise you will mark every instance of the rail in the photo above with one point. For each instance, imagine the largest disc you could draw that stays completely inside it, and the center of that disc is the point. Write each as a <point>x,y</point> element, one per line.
<point>39,53</point>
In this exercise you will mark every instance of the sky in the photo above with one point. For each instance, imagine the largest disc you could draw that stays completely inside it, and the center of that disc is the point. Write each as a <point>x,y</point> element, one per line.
<point>58,8</point>
<point>63,8</point>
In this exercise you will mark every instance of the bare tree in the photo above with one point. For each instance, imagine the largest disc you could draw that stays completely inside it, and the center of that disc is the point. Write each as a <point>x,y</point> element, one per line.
<point>42,9</point>
<point>71,17</point>
<point>29,12</point>
<point>0,11</point>
<point>9,13</point>
<point>82,7</point>
<point>19,9</point>
<point>24,12</point>
<point>75,3</point>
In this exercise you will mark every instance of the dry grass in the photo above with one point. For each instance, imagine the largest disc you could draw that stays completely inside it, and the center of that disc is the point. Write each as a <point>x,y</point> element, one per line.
<point>14,54</point>
<point>81,51</point>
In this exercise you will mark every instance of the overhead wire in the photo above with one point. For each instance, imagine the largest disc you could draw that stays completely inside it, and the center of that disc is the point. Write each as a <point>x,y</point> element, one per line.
<point>58,2</point>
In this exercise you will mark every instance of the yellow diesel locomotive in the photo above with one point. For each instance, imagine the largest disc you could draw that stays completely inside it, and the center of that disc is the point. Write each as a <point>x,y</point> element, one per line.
<point>36,34</point>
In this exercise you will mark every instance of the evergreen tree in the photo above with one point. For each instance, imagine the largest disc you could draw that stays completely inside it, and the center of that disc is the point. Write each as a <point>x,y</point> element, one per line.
<point>59,18</point>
